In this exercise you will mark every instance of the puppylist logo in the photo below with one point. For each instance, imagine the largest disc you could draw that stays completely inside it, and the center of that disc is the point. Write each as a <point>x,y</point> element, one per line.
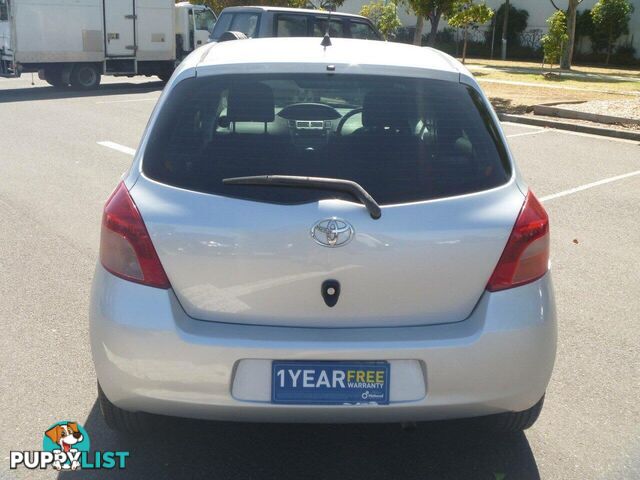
<point>66,446</point>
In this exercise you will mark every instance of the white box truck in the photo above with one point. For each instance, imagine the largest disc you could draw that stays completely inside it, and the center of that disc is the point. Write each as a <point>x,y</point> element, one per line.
<point>74,42</point>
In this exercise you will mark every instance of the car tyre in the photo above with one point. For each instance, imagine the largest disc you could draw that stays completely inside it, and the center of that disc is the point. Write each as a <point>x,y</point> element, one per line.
<point>53,76</point>
<point>132,423</point>
<point>85,76</point>
<point>165,75</point>
<point>514,421</point>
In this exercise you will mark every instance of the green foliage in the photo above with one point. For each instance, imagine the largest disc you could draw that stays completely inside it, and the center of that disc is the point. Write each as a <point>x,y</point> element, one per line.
<point>553,41</point>
<point>426,8</point>
<point>518,20</point>
<point>584,24</point>
<point>467,14</point>
<point>383,15</point>
<point>611,19</point>
<point>431,9</point>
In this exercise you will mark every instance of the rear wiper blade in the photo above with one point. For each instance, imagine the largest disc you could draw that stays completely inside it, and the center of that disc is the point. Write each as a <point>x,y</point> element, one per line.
<point>348,186</point>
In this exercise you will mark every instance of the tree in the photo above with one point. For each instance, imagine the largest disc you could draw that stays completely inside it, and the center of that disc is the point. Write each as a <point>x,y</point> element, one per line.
<point>571,15</point>
<point>584,27</point>
<point>431,9</point>
<point>467,14</point>
<point>553,42</point>
<point>505,25</point>
<point>612,17</point>
<point>440,8</point>
<point>420,8</point>
<point>517,20</point>
<point>383,15</point>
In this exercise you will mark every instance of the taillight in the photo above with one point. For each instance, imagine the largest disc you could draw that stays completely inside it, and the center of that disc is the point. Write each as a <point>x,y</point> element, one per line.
<point>526,255</point>
<point>125,246</point>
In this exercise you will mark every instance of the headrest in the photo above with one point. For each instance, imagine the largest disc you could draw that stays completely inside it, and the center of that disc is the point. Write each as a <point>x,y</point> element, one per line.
<point>250,102</point>
<point>387,108</point>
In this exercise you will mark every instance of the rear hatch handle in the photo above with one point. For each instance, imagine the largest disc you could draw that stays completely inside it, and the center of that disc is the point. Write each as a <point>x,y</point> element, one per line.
<point>348,186</point>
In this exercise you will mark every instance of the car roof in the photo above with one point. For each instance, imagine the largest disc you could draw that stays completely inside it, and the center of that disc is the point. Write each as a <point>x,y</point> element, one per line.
<point>289,54</point>
<point>265,8</point>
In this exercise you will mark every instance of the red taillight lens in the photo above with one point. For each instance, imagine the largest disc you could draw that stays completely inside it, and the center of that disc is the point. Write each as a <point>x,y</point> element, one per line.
<point>526,255</point>
<point>125,246</point>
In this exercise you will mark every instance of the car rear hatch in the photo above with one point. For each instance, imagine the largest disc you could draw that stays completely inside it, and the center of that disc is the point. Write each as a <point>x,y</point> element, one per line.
<point>258,254</point>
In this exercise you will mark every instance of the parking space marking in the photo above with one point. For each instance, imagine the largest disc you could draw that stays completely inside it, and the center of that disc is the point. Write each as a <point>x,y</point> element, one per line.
<point>597,137</point>
<point>128,101</point>
<point>542,130</point>
<point>564,193</point>
<point>604,181</point>
<point>118,147</point>
<point>523,125</point>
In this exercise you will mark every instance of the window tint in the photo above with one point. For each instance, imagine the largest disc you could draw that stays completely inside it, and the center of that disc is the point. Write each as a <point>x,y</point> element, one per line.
<point>363,31</point>
<point>291,26</point>
<point>4,10</point>
<point>205,20</point>
<point>245,22</point>
<point>336,28</point>
<point>222,25</point>
<point>402,139</point>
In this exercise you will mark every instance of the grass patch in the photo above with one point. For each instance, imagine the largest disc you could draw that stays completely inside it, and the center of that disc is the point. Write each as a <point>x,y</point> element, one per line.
<point>564,80</point>
<point>518,99</point>
<point>598,70</point>
<point>591,78</point>
<point>579,84</point>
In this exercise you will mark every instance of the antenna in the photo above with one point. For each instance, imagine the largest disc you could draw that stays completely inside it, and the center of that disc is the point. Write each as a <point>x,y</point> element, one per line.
<point>326,40</point>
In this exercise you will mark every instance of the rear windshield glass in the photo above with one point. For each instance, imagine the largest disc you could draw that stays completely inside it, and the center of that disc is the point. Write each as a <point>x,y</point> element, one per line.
<point>363,31</point>
<point>245,22</point>
<point>402,139</point>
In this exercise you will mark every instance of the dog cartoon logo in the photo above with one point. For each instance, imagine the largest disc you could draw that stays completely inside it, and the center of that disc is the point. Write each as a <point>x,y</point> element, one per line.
<point>66,446</point>
<point>68,438</point>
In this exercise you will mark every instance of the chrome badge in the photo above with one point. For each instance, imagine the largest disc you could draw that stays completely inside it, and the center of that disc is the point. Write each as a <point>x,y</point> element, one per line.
<point>332,232</point>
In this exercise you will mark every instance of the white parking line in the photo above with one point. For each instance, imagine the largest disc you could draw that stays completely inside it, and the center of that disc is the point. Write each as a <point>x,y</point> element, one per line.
<point>118,147</point>
<point>597,137</point>
<point>564,193</point>
<point>604,181</point>
<point>566,132</point>
<point>523,125</point>
<point>542,130</point>
<point>128,101</point>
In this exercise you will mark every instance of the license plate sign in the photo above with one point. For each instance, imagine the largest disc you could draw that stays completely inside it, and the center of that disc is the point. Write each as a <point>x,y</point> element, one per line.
<point>330,383</point>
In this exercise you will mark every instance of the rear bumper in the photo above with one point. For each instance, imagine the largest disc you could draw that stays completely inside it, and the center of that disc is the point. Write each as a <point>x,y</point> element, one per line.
<point>150,356</point>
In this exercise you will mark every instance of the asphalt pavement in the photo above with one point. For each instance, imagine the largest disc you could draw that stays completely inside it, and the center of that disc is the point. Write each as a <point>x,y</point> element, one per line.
<point>61,154</point>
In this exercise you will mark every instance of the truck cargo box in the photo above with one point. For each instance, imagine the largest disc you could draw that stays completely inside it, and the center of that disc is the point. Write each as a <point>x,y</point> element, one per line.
<point>75,42</point>
<point>90,30</point>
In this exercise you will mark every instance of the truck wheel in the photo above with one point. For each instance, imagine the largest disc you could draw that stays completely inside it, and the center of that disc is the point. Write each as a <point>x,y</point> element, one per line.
<point>53,76</point>
<point>133,423</point>
<point>165,76</point>
<point>85,76</point>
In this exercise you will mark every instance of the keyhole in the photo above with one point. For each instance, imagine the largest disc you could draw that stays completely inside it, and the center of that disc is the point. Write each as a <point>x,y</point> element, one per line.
<point>330,292</point>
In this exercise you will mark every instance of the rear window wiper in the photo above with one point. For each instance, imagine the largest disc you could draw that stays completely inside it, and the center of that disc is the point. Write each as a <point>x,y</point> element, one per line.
<point>348,186</point>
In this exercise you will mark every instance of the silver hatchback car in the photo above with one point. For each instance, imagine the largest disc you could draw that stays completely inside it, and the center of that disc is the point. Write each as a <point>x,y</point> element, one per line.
<point>323,233</point>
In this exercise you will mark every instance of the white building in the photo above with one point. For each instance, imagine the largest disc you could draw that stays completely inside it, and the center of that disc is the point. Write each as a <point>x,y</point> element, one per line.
<point>539,11</point>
